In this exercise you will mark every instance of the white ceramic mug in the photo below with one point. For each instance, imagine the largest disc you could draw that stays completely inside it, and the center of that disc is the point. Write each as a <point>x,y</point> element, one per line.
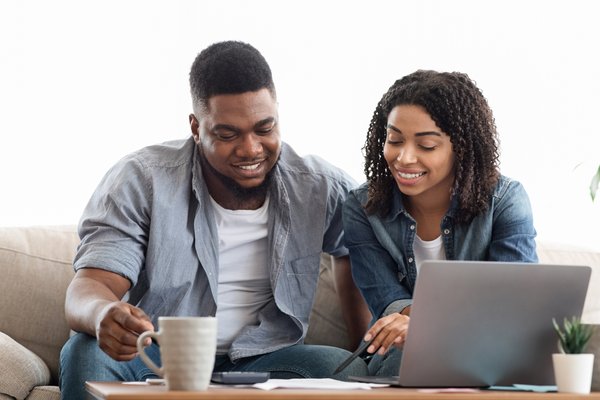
<point>187,351</point>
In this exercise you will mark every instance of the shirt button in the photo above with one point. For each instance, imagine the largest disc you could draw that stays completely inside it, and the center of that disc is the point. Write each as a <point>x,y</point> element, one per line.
<point>412,227</point>
<point>410,260</point>
<point>446,231</point>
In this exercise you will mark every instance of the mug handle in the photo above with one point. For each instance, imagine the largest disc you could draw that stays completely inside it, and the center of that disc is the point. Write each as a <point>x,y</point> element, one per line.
<point>140,346</point>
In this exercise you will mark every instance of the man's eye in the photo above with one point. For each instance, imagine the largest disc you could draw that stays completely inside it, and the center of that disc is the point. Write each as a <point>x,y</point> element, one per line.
<point>265,130</point>
<point>225,135</point>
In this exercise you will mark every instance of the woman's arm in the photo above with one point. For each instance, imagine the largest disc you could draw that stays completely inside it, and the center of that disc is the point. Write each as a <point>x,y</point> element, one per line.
<point>380,277</point>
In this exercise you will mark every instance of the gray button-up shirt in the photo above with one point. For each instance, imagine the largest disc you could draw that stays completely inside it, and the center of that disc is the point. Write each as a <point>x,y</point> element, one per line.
<point>151,221</point>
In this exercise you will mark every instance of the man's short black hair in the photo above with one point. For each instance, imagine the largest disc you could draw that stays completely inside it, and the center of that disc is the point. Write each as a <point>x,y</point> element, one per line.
<point>229,67</point>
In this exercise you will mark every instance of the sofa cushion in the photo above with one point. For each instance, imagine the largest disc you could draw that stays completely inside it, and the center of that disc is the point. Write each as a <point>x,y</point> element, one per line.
<point>36,268</point>
<point>44,393</point>
<point>553,253</point>
<point>326,324</point>
<point>20,369</point>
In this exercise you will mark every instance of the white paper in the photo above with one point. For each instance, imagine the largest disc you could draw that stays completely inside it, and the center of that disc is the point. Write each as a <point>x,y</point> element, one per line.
<point>325,383</point>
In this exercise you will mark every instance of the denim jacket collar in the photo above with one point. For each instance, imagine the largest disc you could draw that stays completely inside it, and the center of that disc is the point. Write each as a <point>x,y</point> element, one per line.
<point>397,207</point>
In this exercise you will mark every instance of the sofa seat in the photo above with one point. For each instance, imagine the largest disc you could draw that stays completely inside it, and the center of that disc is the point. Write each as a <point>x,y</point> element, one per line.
<point>35,265</point>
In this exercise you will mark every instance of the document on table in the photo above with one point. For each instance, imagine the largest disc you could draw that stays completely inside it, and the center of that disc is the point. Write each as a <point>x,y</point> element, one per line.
<point>325,383</point>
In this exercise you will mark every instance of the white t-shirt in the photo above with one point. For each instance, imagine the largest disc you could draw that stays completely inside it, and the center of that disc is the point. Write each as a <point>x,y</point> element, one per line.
<point>428,250</point>
<point>244,284</point>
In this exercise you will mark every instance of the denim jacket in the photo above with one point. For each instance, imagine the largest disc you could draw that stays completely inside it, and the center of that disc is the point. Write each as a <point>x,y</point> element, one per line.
<point>381,249</point>
<point>151,221</point>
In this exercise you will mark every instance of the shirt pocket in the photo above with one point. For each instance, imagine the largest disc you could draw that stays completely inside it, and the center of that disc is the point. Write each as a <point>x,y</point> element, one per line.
<point>301,280</point>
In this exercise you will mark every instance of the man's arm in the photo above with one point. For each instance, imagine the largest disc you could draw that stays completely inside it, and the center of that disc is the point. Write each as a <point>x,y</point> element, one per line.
<point>93,305</point>
<point>355,312</point>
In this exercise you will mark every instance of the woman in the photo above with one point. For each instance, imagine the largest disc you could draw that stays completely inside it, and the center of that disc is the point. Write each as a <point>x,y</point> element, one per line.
<point>433,191</point>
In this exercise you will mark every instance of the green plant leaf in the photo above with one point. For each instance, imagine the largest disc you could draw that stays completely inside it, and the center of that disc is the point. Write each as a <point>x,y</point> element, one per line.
<point>573,335</point>
<point>561,336</point>
<point>594,184</point>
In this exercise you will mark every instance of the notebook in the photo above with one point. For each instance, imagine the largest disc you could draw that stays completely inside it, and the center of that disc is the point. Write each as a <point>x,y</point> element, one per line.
<point>480,324</point>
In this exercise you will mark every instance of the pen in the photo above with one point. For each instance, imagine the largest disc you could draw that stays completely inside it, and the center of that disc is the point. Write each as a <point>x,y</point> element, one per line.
<point>361,349</point>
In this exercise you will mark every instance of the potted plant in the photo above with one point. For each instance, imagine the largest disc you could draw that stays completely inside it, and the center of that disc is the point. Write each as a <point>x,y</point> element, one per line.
<point>572,367</point>
<point>594,184</point>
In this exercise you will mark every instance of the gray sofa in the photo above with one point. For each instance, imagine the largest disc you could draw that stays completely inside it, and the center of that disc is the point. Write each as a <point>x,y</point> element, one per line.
<point>35,265</point>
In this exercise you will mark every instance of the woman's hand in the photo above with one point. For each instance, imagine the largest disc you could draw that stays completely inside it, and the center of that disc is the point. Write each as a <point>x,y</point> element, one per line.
<point>387,331</point>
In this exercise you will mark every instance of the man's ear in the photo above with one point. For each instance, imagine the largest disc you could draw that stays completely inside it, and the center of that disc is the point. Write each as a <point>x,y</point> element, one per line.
<point>195,128</point>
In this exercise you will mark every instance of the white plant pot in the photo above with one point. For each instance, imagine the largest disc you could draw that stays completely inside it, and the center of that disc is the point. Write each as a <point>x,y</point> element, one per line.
<point>573,372</point>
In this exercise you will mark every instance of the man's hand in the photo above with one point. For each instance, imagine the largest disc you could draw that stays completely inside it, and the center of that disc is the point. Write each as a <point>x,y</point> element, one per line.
<point>93,305</point>
<point>118,327</point>
<point>387,331</point>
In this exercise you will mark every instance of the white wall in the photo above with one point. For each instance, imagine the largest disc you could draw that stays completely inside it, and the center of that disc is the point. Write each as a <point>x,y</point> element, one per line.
<point>82,83</point>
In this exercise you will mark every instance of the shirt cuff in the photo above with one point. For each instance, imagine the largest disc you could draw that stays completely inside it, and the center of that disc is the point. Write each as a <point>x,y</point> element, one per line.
<point>396,307</point>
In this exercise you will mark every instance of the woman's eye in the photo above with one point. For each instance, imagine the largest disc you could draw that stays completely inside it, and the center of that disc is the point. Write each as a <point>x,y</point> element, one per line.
<point>391,139</point>
<point>428,145</point>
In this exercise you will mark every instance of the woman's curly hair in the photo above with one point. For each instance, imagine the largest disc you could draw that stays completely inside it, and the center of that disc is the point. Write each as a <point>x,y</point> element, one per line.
<point>460,110</point>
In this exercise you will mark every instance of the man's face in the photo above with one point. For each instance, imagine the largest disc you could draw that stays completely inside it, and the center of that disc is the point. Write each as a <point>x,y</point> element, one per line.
<point>238,136</point>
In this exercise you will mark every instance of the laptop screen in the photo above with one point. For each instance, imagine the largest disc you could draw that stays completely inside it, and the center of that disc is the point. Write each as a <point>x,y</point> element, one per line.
<point>477,324</point>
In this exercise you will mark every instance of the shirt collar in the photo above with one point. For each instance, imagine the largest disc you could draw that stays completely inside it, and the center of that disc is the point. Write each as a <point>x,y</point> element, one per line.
<point>397,207</point>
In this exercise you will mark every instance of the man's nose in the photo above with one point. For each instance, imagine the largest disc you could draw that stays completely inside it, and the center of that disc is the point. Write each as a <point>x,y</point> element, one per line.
<point>249,147</point>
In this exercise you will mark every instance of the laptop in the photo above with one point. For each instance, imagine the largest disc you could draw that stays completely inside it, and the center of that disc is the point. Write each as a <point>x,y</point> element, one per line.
<point>481,324</point>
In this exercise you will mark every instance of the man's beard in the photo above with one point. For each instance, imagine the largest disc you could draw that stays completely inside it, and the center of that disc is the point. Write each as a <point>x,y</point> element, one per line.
<point>240,193</point>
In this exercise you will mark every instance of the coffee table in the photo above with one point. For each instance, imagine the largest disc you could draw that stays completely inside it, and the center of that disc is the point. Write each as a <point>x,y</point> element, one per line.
<point>121,391</point>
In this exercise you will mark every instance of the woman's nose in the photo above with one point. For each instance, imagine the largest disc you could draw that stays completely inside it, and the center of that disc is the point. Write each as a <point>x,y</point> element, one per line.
<point>407,155</point>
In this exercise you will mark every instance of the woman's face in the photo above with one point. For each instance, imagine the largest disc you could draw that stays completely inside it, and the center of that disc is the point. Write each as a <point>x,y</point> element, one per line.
<point>419,155</point>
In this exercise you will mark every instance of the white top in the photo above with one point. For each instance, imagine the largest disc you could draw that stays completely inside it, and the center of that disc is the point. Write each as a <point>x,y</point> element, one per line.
<point>244,284</point>
<point>428,250</point>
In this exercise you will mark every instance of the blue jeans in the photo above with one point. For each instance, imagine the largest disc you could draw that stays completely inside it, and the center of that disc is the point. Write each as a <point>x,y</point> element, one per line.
<point>82,360</point>
<point>386,365</point>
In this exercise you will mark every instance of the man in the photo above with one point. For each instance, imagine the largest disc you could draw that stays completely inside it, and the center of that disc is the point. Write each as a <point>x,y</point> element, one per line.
<point>230,222</point>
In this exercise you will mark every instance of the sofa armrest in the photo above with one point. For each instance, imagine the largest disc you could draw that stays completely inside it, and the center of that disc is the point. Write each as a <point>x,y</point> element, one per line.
<point>20,369</point>
<point>36,268</point>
